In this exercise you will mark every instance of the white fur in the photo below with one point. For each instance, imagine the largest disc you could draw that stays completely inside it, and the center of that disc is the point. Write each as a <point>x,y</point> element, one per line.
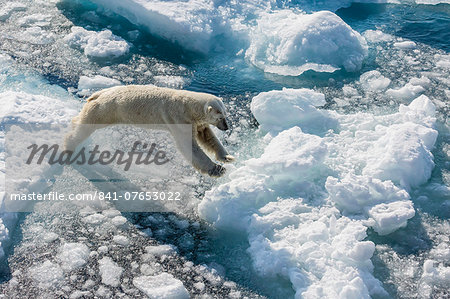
<point>148,104</point>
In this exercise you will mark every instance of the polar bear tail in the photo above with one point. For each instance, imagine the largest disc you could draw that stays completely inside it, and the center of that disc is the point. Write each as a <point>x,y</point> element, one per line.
<point>94,96</point>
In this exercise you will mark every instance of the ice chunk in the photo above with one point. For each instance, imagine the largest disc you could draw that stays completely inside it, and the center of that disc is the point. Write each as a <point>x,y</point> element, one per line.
<point>353,194</point>
<point>160,250</point>
<point>7,10</point>
<point>87,84</point>
<point>406,93</point>
<point>47,275</point>
<point>162,286</point>
<point>422,81</point>
<point>25,107</point>
<point>374,81</point>
<point>405,45</point>
<point>121,240</point>
<point>391,216</point>
<point>306,202</point>
<point>189,23</point>
<point>401,155</point>
<point>376,36</point>
<point>73,255</point>
<point>289,43</point>
<point>433,276</point>
<point>432,2</point>
<point>103,44</point>
<point>110,271</point>
<point>282,109</point>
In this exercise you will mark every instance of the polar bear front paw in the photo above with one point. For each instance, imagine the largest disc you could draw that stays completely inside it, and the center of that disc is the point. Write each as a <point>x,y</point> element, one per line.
<point>226,159</point>
<point>217,171</point>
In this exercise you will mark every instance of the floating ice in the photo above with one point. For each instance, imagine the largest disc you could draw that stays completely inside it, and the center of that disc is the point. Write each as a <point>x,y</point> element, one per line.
<point>434,276</point>
<point>161,286</point>
<point>47,275</point>
<point>189,23</point>
<point>307,201</point>
<point>433,2</point>
<point>376,36</point>
<point>73,256</point>
<point>87,84</point>
<point>103,44</point>
<point>406,93</point>
<point>6,11</point>
<point>374,81</point>
<point>405,45</point>
<point>295,106</point>
<point>121,240</point>
<point>110,271</point>
<point>289,43</point>
<point>28,108</point>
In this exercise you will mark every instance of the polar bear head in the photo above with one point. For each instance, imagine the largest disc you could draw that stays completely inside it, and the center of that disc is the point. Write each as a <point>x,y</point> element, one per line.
<point>216,114</point>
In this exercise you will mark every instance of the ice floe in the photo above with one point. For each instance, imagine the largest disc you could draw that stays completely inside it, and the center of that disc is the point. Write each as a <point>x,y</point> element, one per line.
<point>103,44</point>
<point>289,43</point>
<point>307,201</point>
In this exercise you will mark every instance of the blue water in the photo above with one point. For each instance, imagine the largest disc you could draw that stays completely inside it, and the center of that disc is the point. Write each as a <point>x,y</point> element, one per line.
<point>230,76</point>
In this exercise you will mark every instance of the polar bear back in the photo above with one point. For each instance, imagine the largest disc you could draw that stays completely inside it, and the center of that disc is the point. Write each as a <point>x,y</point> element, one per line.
<point>148,104</point>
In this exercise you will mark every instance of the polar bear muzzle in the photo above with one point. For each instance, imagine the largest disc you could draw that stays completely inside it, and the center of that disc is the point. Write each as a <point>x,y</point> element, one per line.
<point>222,125</point>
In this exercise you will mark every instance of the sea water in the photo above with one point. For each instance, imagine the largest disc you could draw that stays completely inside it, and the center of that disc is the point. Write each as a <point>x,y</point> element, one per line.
<point>342,174</point>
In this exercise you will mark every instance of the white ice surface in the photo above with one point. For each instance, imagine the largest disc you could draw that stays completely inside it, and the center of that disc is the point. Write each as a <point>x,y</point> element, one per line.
<point>103,44</point>
<point>290,43</point>
<point>161,286</point>
<point>285,42</point>
<point>110,271</point>
<point>307,201</point>
<point>73,256</point>
<point>86,85</point>
<point>25,99</point>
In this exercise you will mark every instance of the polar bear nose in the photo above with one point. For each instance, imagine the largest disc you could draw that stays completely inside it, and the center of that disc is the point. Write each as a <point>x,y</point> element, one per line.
<point>223,125</point>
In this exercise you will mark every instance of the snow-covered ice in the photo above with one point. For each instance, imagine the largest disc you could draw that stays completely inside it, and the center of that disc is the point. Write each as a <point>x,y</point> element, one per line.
<point>86,85</point>
<point>102,44</point>
<point>289,43</point>
<point>163,286</point>
<point>374,81</point>
<point>110,271</point>
<point>286,199</point>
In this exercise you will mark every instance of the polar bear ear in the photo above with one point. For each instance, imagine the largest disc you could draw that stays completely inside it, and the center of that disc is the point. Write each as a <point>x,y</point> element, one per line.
<point>208,108</point>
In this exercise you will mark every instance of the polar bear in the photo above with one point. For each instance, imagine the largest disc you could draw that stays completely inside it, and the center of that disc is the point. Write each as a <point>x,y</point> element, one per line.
<point>148,104</point>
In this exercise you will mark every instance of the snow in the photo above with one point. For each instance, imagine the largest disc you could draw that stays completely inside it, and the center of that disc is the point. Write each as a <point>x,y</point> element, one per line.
<point>289,43</point>
<point>103,44</point>
<point>110,271</point>
<point>307,201</point>
<point>161,286</point>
